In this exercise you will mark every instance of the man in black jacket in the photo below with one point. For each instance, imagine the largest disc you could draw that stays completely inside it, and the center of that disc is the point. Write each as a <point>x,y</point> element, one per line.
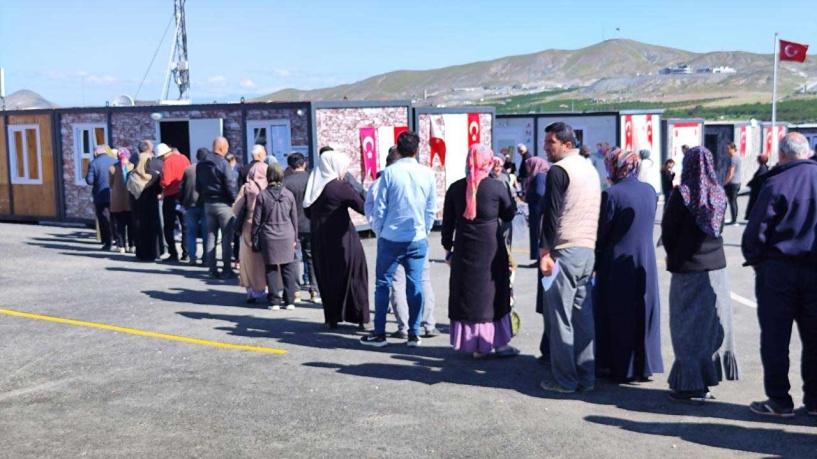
<point>217,188</point>
<point>780,242</point>
<point>296,183</point>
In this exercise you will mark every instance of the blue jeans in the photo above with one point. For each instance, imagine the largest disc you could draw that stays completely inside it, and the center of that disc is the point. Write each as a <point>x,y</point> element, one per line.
<point>411,255</point>
<point>195,223</point>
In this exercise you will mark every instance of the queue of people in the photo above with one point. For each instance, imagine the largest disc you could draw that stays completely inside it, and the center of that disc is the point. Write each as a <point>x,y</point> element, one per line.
<point>597,286</point>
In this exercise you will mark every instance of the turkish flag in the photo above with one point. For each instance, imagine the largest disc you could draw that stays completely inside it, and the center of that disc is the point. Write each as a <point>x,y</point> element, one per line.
<point>628,133</point>
<point>399,130</point>
<point>473,129</point>
<point>742,150</point>
<point>368,148</point>
<point>437,143</point>
<point>791,51</point>
<point>649,130</point>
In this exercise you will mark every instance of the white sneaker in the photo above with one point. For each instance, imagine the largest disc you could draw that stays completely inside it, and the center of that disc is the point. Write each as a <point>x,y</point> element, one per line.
<point>275,307</point>
<point>122,251</point>
<point>290,307</point>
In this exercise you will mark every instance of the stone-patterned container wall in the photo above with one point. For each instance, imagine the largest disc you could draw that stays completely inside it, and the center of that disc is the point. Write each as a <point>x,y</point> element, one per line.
<point>299,124</point>
<point>424,130</point>
<point>78,202</point>
<point>340,128</point>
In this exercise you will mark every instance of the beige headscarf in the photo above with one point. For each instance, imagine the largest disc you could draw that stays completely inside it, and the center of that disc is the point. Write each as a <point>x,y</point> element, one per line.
<point>140,176</point>
<point>331,165</point>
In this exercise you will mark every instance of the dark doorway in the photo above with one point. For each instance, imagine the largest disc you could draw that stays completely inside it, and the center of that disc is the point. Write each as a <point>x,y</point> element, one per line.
<point>176,134</point>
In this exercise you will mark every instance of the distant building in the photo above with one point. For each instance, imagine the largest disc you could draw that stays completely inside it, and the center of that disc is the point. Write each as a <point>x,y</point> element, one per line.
<point>718,69</point>
<point>676,70</point>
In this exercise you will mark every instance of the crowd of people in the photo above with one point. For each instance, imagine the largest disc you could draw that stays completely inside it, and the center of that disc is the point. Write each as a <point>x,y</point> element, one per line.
<point>591,218</point>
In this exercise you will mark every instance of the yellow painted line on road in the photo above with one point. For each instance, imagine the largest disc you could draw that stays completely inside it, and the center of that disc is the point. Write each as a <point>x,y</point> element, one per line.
<point>134,331</point>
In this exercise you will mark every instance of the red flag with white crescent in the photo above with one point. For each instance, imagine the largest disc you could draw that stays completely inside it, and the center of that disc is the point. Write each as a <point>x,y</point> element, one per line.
<point>437,143</point>
<point>474,135</point>
<point>791,51</point>
<point>368,149</point>
<point>742,150</point>
<point>628,133</point>
<point>767,134</point>
<point>399,130</point>
<point>649,130</point>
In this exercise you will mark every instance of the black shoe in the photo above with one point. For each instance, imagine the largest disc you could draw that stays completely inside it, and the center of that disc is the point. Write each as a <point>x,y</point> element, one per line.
<point>170,259</point>
<point>106,248</point>
<point>215,274</point>
<point>229,274</point>
<point>184,259</point>
<point>414,341</point>
<point>374,340</point>
<point>400,334</point>
<point>430,332</point>
<point>192,263</point>
<point>251,301</point>
<point>770,408</point>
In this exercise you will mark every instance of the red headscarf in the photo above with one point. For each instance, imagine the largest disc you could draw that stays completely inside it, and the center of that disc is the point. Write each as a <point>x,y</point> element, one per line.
<point>479,163</point>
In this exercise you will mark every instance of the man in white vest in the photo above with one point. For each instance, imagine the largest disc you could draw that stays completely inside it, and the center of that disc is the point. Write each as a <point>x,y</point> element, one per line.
<point>568,238</point>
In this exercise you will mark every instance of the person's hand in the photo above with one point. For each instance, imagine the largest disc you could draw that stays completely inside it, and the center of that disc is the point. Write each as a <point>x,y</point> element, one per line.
<point>546,263</point>
<point>295,244</point>
<point>448,256</point>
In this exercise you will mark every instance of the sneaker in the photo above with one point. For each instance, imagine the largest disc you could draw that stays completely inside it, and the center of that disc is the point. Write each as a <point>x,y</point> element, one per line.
<point>770,408</point>
<point>170,260</point>
<point>586,388</point>
<point>122,251</point>
<point>298,297</point>
<point>553,386</point>
<point>106,248</point>
<point>315,297</point>
<point>289,307</point>
<point>374,340</point>
<point>184,259</point>
<point>414,341</point>
<point>400,334</point>
<point>274,307</point>
<point>430,332</point>
<point>132,249</point>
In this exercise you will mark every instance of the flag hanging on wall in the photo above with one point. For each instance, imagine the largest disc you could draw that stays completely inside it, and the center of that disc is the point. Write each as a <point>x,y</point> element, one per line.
<point>437,143</point>
<point>368,149</point>
<point>399,130</point>
<point>791,51</point>
<point>473,129</point>
<point>649,130</point>
<point>628,133</point>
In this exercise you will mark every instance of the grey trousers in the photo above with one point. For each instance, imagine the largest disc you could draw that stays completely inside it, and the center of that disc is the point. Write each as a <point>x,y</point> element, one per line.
<point>400,303</point>
<point>569,320</point>
<point>219,218</point>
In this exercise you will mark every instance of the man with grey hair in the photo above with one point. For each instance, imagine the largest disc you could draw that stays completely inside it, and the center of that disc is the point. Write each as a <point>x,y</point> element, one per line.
<point>522,149</point>
<point>98,176</point>
<point>257,154</point>
<point>780,243</point>
<point>566,251</point>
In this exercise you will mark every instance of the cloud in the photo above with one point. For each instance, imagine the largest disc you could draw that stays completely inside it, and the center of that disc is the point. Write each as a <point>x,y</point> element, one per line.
<point>83,77</point>
<point>217,80</point>
<point>247,83</point>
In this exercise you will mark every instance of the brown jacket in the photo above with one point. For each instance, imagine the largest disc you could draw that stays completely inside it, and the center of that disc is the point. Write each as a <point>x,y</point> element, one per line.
<point>120,198</point>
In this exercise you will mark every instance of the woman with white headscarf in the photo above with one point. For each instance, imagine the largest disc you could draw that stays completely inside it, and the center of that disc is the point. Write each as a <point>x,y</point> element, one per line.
<point>340,264</point>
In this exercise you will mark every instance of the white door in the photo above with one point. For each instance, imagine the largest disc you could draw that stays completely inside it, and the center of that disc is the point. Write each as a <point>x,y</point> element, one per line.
<point>274,135</point>
<point>202,134</point>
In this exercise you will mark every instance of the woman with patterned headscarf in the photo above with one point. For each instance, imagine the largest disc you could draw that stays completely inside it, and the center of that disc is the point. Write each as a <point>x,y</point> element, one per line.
<point>534,189</point>
<point>479,287</point>
<point>340,263</point>
<point>120,201</point>
<point>700,306</point>
<point>627,309</point>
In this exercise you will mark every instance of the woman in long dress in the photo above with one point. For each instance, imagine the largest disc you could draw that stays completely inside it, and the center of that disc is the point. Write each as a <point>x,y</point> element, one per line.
<point>627,308</point>
<point>143,185</point>
<point>251,274</point>
<point>479,287</point>
<point>534,187</point>
<point>699,303</point>
<point>339,260</point>
<point>120,201</point>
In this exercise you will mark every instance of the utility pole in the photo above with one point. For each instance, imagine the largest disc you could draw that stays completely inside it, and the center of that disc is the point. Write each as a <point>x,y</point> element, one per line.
<point>178,68</point>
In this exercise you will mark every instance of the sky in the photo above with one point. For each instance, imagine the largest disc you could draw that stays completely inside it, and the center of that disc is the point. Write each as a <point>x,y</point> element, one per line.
<point>87,52</point>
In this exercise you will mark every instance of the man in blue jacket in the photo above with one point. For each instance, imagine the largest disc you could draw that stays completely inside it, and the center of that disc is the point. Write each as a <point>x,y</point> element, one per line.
<point>780,242</point>
<point>98,176</point>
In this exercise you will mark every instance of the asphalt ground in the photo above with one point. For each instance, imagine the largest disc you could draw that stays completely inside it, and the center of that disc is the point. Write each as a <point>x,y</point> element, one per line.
<point>71,390</point>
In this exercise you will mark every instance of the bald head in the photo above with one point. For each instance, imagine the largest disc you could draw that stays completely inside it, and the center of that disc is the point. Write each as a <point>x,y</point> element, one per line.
<point>259,153</point>
<point>794,146</point>
<point>221,146</point>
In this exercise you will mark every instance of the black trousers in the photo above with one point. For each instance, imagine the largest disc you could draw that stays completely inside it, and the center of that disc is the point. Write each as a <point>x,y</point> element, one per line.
<point>170,216</point>
<point>103,217</point>
<point>123,229</point>
<point>305,246</point>
<point>732,194</point>
<point>289,273</point>
<point>787,294</point>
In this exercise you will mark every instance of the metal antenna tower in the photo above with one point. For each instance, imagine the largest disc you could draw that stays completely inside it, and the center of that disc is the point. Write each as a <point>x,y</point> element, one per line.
<point>178,67</point>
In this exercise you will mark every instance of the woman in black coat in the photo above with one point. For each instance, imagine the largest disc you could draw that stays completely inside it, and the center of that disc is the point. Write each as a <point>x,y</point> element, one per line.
<point>627,309</point>
<point>479,287</point>
<point>144,187</point>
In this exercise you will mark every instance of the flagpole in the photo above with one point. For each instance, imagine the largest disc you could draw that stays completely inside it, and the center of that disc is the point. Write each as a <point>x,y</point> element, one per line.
<point>774,99</point>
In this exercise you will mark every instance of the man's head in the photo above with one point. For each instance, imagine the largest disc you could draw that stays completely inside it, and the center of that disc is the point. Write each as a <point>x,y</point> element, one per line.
<point>522,148</point>
<point>145,146</point>
<point>230,159</point>
<point>584,151</point>
<point>258,152</point>
<point>296,161</point>
<point>644,154</point>
<point>731,149</point>
<point>684,149</point>
<point>162,151</point>
<point>793,147</point>
<point>499,163</point>
<point>221,146</point>
<point>393,156</point>
<point>559,140</point>
<point>100,150</point>
<point>669,164</point>
<point>598,147</point>
<point>324,149</point>
<point>201,153</point>
<point>408,143</point>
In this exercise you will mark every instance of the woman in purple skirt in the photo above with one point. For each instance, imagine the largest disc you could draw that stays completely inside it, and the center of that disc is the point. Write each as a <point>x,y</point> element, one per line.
<point>479,300</point>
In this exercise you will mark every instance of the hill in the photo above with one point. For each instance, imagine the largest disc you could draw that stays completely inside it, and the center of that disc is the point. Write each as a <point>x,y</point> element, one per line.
<point>25,100</point>
<point>619,68</point>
